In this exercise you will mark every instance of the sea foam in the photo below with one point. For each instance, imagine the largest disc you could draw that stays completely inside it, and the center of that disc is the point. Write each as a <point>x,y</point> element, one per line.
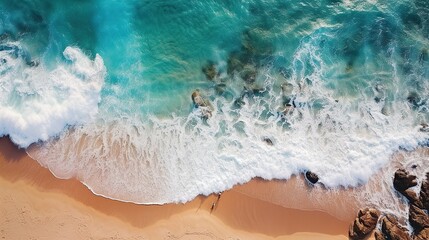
<point>38,103</point>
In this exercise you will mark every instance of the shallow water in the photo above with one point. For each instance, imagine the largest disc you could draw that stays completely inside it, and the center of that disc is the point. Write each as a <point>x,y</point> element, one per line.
<point>101,90</point>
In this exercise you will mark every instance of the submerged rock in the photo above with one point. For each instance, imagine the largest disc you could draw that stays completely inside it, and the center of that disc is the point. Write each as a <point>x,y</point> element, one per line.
<point>364,224</point>
<point>311,177</point>
<point>234,63</point>
<point>249,74</point>
<point>238,103</point>
<point>220,88</point>
<point>402,180</point>
<point>268,141</point>
<point>424,127</point>
<point>33,63</point>
<point>254,43</point>
<point>414,99</point>
<point>210,71</point>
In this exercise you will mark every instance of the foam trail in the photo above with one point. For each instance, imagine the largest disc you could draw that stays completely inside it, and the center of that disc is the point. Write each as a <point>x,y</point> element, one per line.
<point>38,103</point>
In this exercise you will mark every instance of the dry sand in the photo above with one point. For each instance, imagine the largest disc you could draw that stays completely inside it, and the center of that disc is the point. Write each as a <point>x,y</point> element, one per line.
<point>36,205</point>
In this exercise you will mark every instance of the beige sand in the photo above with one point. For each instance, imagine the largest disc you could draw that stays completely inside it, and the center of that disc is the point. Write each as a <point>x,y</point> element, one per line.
<point>36,205</point>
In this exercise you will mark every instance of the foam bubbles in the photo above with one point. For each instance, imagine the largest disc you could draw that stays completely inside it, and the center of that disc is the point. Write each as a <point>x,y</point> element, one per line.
<point>38,103</point>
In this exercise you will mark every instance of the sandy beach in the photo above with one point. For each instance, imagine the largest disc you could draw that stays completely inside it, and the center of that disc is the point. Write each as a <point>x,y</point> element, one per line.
<point>36,205</point>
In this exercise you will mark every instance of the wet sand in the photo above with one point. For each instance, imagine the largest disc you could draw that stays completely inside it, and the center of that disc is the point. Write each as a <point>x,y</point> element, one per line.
<point>36,205</point>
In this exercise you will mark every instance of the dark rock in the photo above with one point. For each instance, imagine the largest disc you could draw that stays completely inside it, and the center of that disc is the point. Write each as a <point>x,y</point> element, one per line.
<point>210,71</point>
<point>424,192</point>
<point>424,127</point>
<point>392,230</point>
<point>424,55</point>
<point>249,74</point>
<point>4,36</point>
<point>414,99</point>
<point>238,103</point>
<point>402,180</point>
<point>311,177</point>
<point>268,141</point>
<point>418,218</point>
<point>220,88</point>
<point>258,91</point>
<point>422,235</point>
<point>364,223</point>
<point>377,99</point>
<point>33,63</point>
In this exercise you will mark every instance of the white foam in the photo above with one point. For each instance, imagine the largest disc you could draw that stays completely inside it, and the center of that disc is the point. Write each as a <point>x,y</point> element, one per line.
<point>174,160</point>
<point>37,103</point>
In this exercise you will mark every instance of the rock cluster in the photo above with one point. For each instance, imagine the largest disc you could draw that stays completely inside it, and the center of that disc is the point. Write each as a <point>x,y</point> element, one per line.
<point>244,64</point>
<point>389,227</point>
<point>364,224</point>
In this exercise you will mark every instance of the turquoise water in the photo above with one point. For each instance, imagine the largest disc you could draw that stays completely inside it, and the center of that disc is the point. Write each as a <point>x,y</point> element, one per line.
<point>103,89</point>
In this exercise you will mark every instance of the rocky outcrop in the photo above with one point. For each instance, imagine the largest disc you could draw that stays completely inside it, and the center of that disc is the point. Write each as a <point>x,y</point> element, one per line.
<point>197,99</point>
<point>424,193</point>
<point>202,104</point>
<point>402,180</point>
<point>418,218</point>
<point>417,215</point>
<point>364,224</point>
<point>378,235</point>
<point>422,235</point>
<point>412,197</point>
<point>392,230</point>
<point>311,177</point>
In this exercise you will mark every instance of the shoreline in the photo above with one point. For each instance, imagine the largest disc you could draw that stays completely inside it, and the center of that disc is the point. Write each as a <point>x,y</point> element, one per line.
<point>27,185</point>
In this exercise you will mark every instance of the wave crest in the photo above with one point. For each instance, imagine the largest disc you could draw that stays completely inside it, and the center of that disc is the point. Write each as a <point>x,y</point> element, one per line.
<point>37,103</point>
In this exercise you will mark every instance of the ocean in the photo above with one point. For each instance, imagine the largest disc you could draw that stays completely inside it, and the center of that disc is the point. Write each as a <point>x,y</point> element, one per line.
<point>101,91</point>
